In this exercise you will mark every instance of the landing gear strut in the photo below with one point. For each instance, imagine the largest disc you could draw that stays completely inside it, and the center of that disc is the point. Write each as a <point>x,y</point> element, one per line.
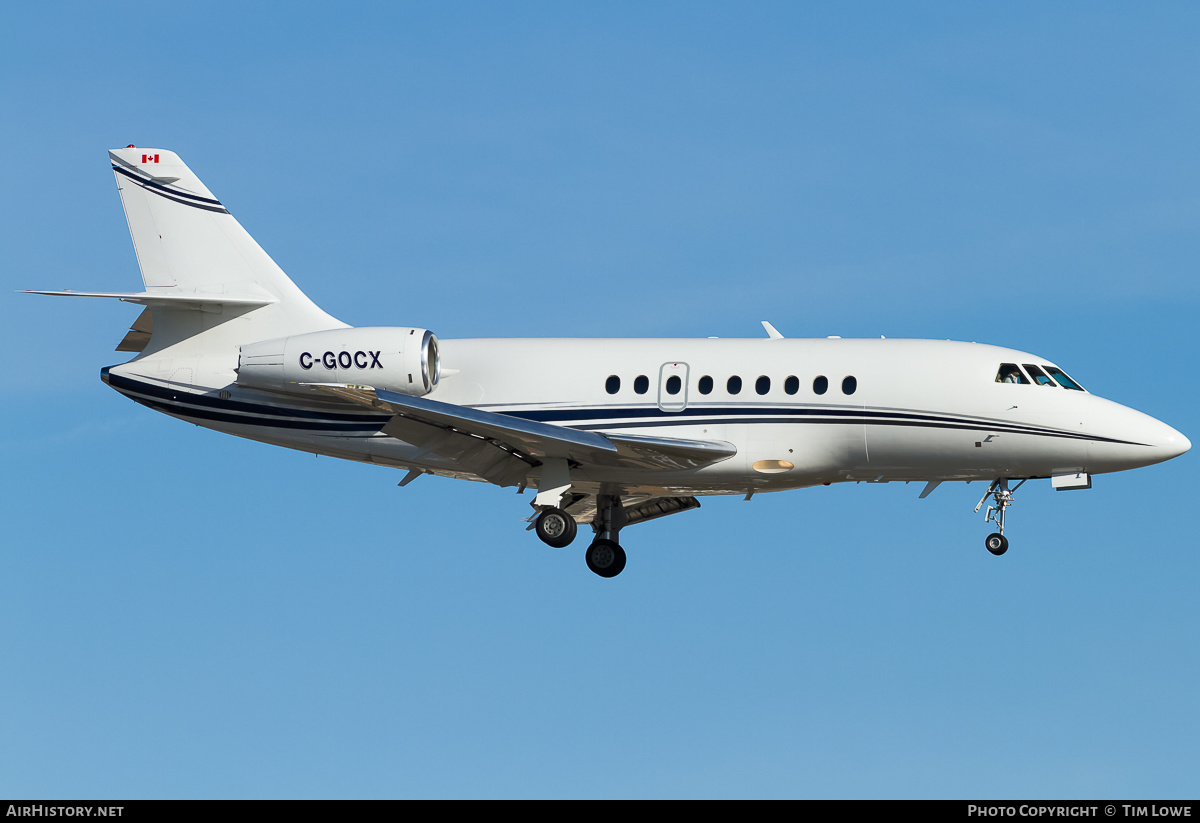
<point>605,556</point>
<point>1002,498</point>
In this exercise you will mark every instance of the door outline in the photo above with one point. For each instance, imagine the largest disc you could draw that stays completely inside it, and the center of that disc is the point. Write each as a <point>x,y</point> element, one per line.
<point>672,402</point>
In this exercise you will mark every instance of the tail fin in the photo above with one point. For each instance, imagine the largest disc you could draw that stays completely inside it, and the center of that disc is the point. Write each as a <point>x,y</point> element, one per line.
<point>194,255</point>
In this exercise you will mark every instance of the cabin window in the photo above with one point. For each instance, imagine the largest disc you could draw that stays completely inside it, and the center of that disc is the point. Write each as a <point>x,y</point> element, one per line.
<point>734,385</point>
<point>762,385</point>
<point>1009,373</point>
<point>674,384</point>
<point>641,384</point>
<point>613,384</point>
<point>1063,380</point>
<point>821,385</point>
<point>705,385</point>
<point>792,384</point>
<point>1039,376</point>
<point>849,385</point>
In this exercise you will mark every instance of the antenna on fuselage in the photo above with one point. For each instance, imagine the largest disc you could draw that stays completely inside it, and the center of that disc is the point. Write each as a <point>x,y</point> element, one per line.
<point>772,332</point>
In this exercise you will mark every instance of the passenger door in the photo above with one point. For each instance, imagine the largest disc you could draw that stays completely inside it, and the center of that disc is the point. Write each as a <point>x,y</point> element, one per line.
<point>673,387</point>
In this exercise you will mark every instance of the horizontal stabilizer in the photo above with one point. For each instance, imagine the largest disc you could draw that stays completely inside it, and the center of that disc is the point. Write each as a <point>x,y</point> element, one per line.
<point>176,300</point>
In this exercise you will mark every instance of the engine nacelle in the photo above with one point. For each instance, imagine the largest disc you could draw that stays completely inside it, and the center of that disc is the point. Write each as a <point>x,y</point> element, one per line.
<point>384,357</point>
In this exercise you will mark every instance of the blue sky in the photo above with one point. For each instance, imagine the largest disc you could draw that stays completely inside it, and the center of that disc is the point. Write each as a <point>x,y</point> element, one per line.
<point>179,619</point>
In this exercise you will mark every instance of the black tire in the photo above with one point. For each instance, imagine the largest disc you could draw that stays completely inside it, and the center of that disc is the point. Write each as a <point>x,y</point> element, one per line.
<point>997,544</point>
<point>555,528</point>
<point>605,558</point>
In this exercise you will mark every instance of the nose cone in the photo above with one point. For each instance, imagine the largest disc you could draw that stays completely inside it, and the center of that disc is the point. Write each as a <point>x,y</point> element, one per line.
<point>1124,438</point>
<point>1174,443</point>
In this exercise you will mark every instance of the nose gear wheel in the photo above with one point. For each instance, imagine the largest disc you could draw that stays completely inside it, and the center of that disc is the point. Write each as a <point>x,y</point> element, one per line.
<point>1002,498</point>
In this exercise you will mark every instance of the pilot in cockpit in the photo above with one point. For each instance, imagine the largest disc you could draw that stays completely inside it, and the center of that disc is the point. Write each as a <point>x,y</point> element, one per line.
<point>1009,373</point>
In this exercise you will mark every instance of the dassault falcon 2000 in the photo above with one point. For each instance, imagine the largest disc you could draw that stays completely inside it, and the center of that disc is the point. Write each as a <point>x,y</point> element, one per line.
<point>626,431</point>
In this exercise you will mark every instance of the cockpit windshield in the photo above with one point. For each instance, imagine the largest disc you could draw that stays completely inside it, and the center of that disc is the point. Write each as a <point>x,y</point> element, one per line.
<point>1038,375</point>
<point>1063,380</point>
<point>1009,373</point>
<point>1041,376</point>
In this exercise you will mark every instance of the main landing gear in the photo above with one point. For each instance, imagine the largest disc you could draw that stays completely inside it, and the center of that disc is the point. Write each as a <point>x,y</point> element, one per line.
<point>1002,498</point>
<point>604,556</point>
<point>555,528</point>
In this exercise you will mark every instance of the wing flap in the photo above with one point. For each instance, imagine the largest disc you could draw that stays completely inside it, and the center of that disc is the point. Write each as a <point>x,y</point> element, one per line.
<point>482,457</point>
<point>528,437</point>
<point>672,453</point>
<point>502,448</point>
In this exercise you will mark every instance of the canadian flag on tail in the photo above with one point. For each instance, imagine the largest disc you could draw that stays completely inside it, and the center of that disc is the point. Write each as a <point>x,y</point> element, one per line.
<point>149,158</point>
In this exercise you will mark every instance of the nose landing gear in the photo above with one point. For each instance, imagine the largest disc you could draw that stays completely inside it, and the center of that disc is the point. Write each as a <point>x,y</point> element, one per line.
<point>1002,498</point>
<point>997,544</point>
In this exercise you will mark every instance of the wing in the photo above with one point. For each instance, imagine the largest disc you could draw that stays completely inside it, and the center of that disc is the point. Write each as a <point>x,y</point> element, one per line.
<point>502,448</point>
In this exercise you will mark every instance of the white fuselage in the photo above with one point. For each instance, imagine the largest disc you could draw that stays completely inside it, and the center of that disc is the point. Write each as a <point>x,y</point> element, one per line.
<point>890,409</point>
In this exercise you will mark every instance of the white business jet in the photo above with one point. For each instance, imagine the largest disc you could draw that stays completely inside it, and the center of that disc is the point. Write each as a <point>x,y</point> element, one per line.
<point>609,432</point>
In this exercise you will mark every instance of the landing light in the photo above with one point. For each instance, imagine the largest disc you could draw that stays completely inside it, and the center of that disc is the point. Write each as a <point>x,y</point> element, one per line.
<point>773,466</point>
